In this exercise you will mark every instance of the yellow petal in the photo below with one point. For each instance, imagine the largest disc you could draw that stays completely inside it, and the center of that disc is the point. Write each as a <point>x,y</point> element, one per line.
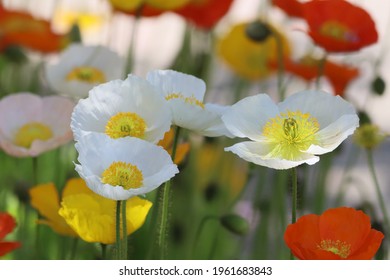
<point>249,59</point>
<point>44,198</point>
<point>93,216</point>
<point>126,5</point>
<point>75,186</point>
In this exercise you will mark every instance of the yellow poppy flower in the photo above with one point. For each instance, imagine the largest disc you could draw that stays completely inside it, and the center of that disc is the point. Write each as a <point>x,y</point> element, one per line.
<point>92,214</point>
<point>158,4</point>
<point>251,59</point>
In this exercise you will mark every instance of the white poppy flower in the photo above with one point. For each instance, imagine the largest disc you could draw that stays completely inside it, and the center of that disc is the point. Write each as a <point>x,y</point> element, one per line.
<point>80,68</point>
<point>121,108</point>
<point>119,169</point>
<point>185,94</point>
<point>290,133</point>
<point>31,124</point>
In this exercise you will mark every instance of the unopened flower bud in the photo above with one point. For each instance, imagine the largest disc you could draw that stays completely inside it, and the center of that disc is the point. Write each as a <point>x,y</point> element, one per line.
<point>378,85</point>
<point>368,136</point>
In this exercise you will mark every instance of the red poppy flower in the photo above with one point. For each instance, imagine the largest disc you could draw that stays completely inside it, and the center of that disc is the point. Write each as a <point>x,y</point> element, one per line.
<point>204,13</point>
<point>292,8</point>
<point>337,234</point>
<point>339,75</point>
<point>19,28</point>
<point>339,26</point>
<point>7,224</point>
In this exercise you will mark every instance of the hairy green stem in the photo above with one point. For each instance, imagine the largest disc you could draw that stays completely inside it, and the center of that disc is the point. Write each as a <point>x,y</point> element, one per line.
<point>382,204</point>
<point>164,193</point>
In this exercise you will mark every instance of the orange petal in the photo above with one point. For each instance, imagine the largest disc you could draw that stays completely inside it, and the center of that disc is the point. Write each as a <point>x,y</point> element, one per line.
<point>369,247</point>
<point>345,224</point>
<point>303,237</point>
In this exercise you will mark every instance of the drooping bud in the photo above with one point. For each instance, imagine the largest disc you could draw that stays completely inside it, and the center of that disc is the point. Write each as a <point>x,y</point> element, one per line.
<point>235,224</point>
<point>368,136</point>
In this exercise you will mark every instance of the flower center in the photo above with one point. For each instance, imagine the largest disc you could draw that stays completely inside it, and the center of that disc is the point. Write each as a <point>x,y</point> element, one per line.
<point>337,247</point>
<point>190,100</point>
<point>125,124</point>
<point>290,133</point>
<point>338,31</point>
<point>86,74</point>
<point>30,132</point>
<point>123,174</point>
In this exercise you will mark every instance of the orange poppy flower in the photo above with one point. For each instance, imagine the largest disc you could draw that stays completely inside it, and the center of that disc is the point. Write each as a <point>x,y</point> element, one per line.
<point>19,28</point>
<point>204,13</point>
<point>7,224</point>
<point>181,150</point>
<point>339,75</point>
<point>338,234</point>
<point>339,26</point>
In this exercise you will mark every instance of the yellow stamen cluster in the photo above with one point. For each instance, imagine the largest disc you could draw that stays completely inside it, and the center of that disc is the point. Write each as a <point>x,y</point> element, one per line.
<point>86,74</point>
<point>290,133</point>
<point>190,100</point>
<point>30,132</point>
<point>337,31</point>
<point>337,247</point>
<point>123,174</point>
<point>125,124</point>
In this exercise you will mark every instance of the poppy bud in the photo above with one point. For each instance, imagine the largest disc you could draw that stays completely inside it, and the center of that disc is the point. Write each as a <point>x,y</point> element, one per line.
<point>378,85</point>
<point>235,224</point>
<point>368,136</point>
<point>258,31</point>
<point>15,54</point>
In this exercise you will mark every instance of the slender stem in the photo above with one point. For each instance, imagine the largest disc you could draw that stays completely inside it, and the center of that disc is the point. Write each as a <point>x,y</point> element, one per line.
<point>279,48</point>
<point>294,195</point>
<point>382,204</point>
<point>164,193</point>
<point>124,231</point>
<point>321,70</point>
<point>199,231</point>
<point>104,251</point>
<point>294,199</point>
<point>73,248</point>
<point>118,229</point>
<point>130,53</point>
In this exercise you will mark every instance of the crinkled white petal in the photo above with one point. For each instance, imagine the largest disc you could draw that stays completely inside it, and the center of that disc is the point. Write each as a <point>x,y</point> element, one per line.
<point>334,134</point>
<point>77,55</point>
<point>217,126</point>
<point>247,117</point>
<point>325,107</point>
<point>97,152</point>
<point>205,121</point>
<point>170,81</point>
<point>133,95</point>
<point>257,152</point>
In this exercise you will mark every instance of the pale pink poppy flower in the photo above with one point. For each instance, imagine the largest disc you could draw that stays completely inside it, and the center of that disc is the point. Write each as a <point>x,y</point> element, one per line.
<point>31,124</point>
